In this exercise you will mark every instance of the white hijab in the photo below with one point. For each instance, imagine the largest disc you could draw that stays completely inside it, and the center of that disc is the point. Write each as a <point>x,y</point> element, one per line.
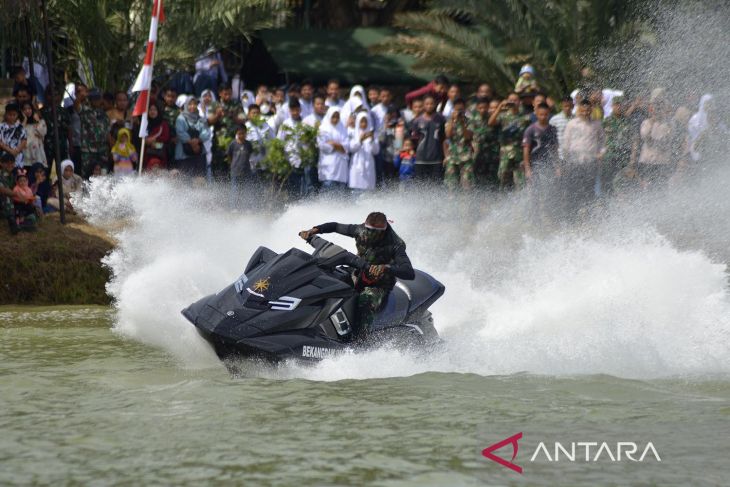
<point>201,111</point>
<point>336,132</point>
<point>359,131</point>
<point>697,124</point>
<point>354,102</point>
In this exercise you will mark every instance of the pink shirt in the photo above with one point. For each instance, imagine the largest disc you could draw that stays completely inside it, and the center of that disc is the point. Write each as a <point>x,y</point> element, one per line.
<point>583,141</point>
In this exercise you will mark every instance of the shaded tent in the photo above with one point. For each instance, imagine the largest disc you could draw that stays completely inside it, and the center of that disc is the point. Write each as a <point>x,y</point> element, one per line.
<point>280,56</point>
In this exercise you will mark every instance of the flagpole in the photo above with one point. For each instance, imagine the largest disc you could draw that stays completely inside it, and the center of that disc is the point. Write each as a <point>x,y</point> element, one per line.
<point>158,5</point>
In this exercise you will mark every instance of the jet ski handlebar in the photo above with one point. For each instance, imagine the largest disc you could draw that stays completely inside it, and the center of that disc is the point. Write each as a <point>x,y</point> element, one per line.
<point>330,255</point>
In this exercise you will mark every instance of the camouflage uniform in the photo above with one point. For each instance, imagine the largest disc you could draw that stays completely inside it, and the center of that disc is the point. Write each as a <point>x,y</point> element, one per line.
<point>512,128</point>
<point>459,162</point>
<point>387,250</point>
<point>94,139</point>
<point>6,202</point>
<point>169,114</point>
<point>232,117</point>
<point>618,140</point>
<point>485,143</point>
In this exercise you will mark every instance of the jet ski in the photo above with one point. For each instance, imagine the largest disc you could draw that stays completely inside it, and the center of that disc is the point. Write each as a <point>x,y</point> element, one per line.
<point>302,306</point>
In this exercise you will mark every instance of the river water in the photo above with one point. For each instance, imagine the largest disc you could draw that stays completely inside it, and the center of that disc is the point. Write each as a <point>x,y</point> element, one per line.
<point>82,405</point>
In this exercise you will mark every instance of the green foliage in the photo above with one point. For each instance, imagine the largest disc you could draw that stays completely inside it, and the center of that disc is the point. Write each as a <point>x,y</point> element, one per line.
<point>106,39</point>
<point>487,40</point>
<point>302,138</point>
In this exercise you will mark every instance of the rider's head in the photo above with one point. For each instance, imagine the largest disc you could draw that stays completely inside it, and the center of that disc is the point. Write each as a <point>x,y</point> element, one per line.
<point>375,226</point>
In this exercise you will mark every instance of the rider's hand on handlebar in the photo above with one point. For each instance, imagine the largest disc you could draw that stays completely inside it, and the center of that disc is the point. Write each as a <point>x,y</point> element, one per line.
<point>307,234</point>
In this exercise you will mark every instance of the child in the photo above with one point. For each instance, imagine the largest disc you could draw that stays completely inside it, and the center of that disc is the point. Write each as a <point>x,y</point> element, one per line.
<point>24,202</point>
<point>404,162</point>
<point>124,153</point>
<point>526,82</point>
<point>13,138</point>
<point>363,147</point>
<point>72,183</point>
<point>41,187</point>
<point>239,157</point>
<point>35,131</point>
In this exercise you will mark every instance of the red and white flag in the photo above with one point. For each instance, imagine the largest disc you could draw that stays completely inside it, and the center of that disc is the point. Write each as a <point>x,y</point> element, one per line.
<point>144,80</point>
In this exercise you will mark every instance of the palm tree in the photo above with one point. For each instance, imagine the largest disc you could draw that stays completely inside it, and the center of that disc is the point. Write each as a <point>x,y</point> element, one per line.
<point>487,40</point>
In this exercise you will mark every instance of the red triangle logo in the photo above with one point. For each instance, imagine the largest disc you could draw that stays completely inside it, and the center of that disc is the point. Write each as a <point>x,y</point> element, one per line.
<point>487,452</point>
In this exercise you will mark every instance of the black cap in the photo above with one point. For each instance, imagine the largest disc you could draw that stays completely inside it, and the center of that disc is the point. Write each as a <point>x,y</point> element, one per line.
<point>94,94</point>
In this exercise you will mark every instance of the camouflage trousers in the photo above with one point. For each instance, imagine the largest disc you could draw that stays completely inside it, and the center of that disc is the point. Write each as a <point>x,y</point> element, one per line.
<point>510,172</point>
<point>459,173</point>
<point>369,302</point>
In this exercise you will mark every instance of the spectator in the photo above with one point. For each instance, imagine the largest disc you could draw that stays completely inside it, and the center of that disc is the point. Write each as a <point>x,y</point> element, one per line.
<point>157,142</point>
<point>35,131</point>
<point>206,110</point>
<point>226,116</point>
<point>363,147</point>
<point>124,153</point>
<point>484,92</point>
<point>299,184</point>
<point>79,97</point>
<point>540,146</point>
<point>620,141</point>
<point>526,83</point>
<point>583,149</point>
<point>412,113</point>
<point>170,112</point>
<point>389,145</point>
<point>23,202</point>
<point>656,164</point>
<point>334,148</point>
<point>697,124</point>
<point>485,142</point>
<point>41,186</point>
<point>120,116</point>
<point>357,99</point>
<point>405,163</point>
<point>21,82</point>
<point>94,134</point>
<point>239,157</point>
<point>512,126</point>
<point>23,95</point>
<point>192,132</point>
<point>306,98</point>
<point>314,119</point>
<point>459,159</point>
<point>538,100</point>
<point>258,132</point>
<point>7,183</point>
<point>13,138</point>
<point>373,96</point>
<point>429,130</point>
<point>446,106</point>
<point>72,183</point>
<point>436,89</point>
<point>209,72</point>
<point>333,94</point>
<point>560,121</point>
<point>63,128</point>
<point>381,109</point>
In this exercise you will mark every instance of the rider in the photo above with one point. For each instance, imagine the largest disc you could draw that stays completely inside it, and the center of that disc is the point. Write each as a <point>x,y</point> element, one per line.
<point>384,259</point>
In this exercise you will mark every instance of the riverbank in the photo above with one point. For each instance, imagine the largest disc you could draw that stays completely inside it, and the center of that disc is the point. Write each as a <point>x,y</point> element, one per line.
<point>57,264</point>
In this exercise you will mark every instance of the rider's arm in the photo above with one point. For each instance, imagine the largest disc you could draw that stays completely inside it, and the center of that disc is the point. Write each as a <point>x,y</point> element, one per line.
<point>341,228</point>
<point>401,266</point>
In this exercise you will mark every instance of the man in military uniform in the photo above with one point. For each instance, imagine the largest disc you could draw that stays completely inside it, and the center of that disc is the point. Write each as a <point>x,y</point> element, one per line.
<point>94,134</point>
<point>620,137</point>
<point>64,122</point>
<point>383,259</point>
<point>485,142</point>
<point>7,182</point>
<point>512,125</point>
<point>459,160</point>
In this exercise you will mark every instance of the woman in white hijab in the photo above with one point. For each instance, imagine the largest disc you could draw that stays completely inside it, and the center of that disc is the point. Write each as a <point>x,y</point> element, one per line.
<point>697,124</point>
<point>363,147</point>
<point>205,110</point>
<point>334,153</point>
<point>357,98</point>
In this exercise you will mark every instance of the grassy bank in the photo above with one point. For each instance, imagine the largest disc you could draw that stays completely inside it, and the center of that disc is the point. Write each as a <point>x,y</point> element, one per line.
<point>57,264</point>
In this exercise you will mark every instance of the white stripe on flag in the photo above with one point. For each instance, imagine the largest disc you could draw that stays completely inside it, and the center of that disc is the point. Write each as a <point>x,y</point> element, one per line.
<point>153,30</point>
<point>143,126</point>
<point>144,80</point>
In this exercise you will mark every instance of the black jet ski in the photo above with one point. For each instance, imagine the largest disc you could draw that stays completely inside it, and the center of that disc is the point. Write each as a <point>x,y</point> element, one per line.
<point>300,306</point>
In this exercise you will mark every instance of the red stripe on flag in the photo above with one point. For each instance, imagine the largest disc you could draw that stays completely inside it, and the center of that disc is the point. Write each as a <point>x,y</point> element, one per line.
<point>158,10</point>
<point>141,106</point>
<point>148,55</point>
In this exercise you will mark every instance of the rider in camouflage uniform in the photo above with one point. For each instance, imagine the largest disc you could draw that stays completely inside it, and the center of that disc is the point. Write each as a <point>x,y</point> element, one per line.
<point>383,259</point>
<point>459,161</point>
<point>94,134</point>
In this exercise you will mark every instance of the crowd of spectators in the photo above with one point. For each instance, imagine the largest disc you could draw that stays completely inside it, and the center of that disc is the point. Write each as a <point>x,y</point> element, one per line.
<point>585,144</point>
